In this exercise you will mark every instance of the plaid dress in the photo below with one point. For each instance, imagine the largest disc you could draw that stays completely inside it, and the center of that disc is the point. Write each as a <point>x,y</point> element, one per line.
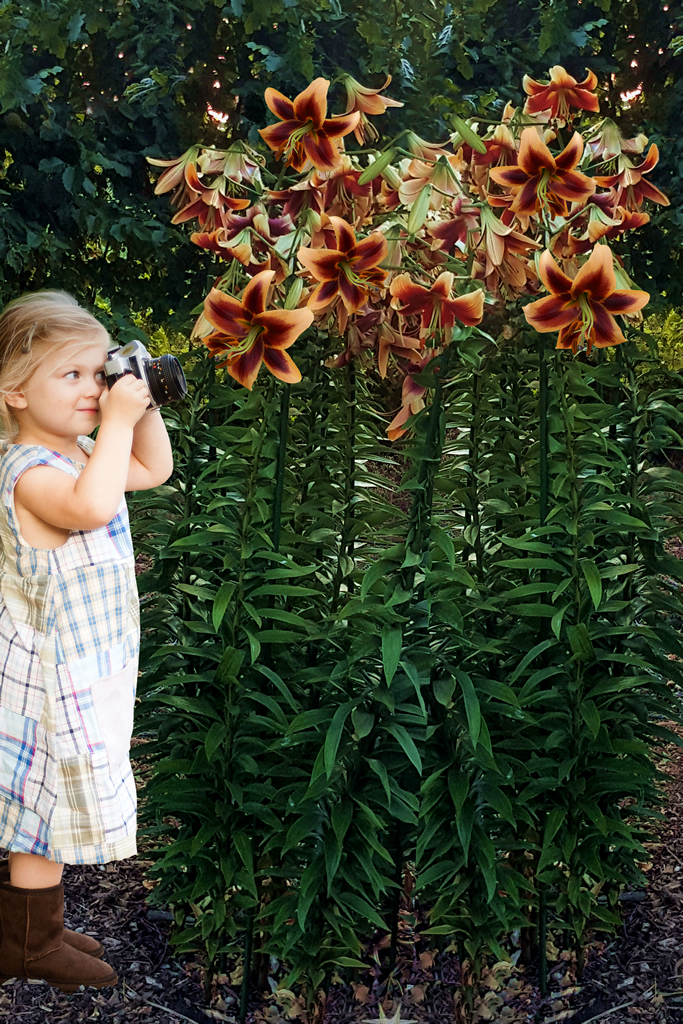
<point>69,637</point>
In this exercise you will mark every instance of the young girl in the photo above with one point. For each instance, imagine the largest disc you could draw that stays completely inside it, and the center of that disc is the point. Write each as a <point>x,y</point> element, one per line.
<point>69,626</point>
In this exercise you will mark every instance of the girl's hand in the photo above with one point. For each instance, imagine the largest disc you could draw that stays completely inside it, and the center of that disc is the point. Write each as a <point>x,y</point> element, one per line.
<point>126,402</point>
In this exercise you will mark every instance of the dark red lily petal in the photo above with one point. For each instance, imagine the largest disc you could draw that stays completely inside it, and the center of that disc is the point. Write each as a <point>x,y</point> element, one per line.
<point>527,201</point>
<point>555,280</point>
<point>281,365</point>
<point>606,330</point>
<point>596,277</point>
<point>281,106</point>
<point>371,251</point>
<point>534,155</point>
<point>344,233</point>
<point>550,314</point>
<point>570,156</point>
<point>311,104</point>
<point>335,127</point>
<point>626,300</point>
<point>245,368</point>
<point>324,294</point>
<point>352,295</point>
<point>277,135</point>
<point>255,294</point>
<point>322,263</point>
<point>321,151</point>
<point>226,314</point>
<point>283,326</point>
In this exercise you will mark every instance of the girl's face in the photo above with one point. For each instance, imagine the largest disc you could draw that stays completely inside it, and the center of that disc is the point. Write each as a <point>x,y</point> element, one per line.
<point>62,397</point>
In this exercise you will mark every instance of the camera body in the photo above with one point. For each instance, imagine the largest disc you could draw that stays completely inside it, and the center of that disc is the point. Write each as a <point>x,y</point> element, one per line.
<point>162,375</point>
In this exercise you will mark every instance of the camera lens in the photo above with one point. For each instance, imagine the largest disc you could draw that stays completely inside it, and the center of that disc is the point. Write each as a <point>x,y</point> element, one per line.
<point>165,379</point>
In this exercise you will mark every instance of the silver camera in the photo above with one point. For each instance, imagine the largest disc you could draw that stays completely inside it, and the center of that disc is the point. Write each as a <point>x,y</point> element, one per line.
<point>163,375</point>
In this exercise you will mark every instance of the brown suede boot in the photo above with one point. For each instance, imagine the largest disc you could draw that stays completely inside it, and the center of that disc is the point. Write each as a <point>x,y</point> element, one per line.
<point>84,943</point>
<point>33,944</point>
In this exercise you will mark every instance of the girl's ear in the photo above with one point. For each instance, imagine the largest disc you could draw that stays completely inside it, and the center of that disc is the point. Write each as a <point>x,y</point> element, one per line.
<point>16,400</point>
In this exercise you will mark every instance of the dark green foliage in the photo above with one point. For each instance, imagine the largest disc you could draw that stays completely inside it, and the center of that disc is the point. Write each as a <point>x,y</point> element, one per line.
<point>452,687</point>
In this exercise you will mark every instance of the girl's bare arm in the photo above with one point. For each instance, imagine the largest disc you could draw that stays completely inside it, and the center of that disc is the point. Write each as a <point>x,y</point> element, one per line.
<point>91,500</point>
<point>151,460</point>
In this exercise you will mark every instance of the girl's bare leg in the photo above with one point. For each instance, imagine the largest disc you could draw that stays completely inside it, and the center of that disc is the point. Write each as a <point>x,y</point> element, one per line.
<point>30,871</point>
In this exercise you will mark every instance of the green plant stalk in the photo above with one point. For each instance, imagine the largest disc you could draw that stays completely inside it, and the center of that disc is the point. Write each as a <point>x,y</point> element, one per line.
<point>283,430</point>
<point>543,431</point>
<point>542,939</point>
<point>419,523</point>
<point>473,489</point>
<point>346,540</point>
<point>246,970</point>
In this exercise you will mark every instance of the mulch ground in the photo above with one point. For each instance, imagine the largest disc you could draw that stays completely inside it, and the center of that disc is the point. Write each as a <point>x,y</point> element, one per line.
<point>636,976</point>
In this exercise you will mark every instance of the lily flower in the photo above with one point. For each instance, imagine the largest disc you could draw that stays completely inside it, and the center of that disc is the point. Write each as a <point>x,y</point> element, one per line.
<point>583,310</point>
<point>367,101</point>
<point>441,178</point>
<point>632,189</point>
<point>176,170</point>
<point>412,396</point>
<point>541,179</point>
<point>435,304</point>
<point>239,163</point>
<point>342,191</point>
<point>560,93</point>
<point>306,133</point>
<point>422,150</point>
<point>249,334</point>
<point>350,272</point>
<point>462,218</point>
<point>504,250</point>
<point>606,142</point>
<point>211,203</point>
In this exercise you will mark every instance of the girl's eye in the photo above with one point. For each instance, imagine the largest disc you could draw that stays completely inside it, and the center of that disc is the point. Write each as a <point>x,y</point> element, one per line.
<point>99,377</point>
<point>72,373</point>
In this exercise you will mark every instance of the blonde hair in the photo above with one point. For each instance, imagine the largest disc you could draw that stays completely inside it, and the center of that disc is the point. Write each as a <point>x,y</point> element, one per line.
<point>30,328</point>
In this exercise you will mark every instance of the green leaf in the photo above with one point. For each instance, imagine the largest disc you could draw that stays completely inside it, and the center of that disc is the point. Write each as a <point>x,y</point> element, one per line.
<point>334,735</point>
<point>392,642</point>
<point>590,571</point>
<point>221,602</point>
<point>591,716</point>
<point>443,689</point>
<point>400,733</point>
<point>362,907</point>
<point>363,722</point>
<point>214,738</point>
<point>552,825</point>
<point>472,709</point>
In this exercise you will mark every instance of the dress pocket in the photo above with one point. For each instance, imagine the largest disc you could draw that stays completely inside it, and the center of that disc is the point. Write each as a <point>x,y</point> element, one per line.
<point>113,700</point>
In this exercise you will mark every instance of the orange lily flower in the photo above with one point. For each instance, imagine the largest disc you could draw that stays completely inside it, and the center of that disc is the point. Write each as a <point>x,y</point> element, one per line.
<point>462,218</point>
<point>306,132</point>
<point>212,202</point>
<point>436,305</point>
<point>583,310</point>
<point>348,272</point>
<point>367,101</point>
<point>412,396</point>
<point>249,334</point>
<point>504,249</point>
<point>606,142</point>
<point>560,93</point>
<point>632,189</point>
<point>543,179</point>
<point>441,178</point>
<point>176,170</point>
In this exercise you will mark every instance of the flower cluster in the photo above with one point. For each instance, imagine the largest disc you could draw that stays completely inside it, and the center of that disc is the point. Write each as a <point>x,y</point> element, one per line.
<point>399,250</point>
